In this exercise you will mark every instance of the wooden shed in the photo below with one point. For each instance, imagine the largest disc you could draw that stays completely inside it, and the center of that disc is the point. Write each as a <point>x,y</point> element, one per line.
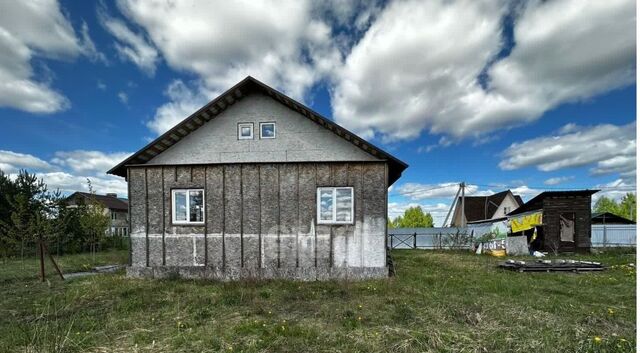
<point>555,221</point>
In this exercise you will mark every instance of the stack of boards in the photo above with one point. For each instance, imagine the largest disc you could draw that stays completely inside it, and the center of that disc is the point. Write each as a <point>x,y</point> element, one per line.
<point>552,266</point>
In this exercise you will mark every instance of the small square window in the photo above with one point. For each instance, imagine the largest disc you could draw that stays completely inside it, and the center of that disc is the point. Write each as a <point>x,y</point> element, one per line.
<point>267,130</point>
<point>245,131</point>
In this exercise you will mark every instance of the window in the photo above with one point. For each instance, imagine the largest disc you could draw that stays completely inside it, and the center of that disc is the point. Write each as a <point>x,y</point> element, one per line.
<point>507,210</point>
<point>267,130</point>
<point>245,131</point>
<point>335,205</point>
<point>187,206</point>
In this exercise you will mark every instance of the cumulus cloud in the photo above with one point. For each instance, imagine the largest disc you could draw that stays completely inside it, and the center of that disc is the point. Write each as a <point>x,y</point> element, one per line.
<point>123,97</point>
<point>418,191</point>
<point>438,211</point>
<point>183,101</point>
<point>131,46</point>
<point>616,189</point>
<point>11,162</point>
<point>69,183</point>
<point>68,170</point>
<point>94,162</point>
<point>418,67</point>
<point>608,148</point>
<point>29,30</point>
<point>279,42</point>
<point>558,180</point>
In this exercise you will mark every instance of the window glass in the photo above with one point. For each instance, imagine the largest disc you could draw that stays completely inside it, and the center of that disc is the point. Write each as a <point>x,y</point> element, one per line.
<point>245,131</point>
<point>343,205</point>
<point>326,204</point>
<point>267,130</point>
<point>180,205</point>
<point>196,209</point>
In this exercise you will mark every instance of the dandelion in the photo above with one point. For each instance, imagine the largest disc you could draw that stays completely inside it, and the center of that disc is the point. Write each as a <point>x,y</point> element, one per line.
<point>611,312</point>
<point>360,306</point>
<point>597,340</point>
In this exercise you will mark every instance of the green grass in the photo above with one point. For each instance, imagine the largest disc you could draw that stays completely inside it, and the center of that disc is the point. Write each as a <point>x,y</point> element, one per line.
<point>439,302</point>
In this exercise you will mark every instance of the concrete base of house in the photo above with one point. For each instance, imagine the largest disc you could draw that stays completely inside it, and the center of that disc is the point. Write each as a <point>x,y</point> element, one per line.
<point>231,274</point>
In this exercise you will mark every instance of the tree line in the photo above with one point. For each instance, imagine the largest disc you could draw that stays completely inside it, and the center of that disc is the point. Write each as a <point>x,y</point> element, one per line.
<point>30,212</point>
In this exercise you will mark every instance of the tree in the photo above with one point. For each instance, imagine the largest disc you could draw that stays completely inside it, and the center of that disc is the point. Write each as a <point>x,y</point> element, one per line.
<point>413,217</point>
<point>94,219</point>
<point>625,208</point>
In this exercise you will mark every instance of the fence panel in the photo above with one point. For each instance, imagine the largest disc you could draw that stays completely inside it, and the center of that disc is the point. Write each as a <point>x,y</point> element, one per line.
<point>613,235</point>
<point>427,238</point>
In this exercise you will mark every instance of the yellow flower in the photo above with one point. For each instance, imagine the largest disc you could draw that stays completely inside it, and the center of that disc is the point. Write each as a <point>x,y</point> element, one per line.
<point>597,339</point>
<point>359,318</point>
<point>611,312</point>
<point>360,306</point>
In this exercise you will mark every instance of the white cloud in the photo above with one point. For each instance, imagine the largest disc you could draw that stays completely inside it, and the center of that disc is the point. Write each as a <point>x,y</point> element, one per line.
<point>183,101</point>
<point>558,180</point>
<point>279,42</point>
<point>418,191</point>
<point>130,45</point>
<point>11,162</point>
<point>123,97</point>
<point>608,148</point>
<point>438,211</point>
<point>69,183</point>
<point>616,189</point>
<point>101,85</point>
<point>36,29</point>
<point>91,162</point>
<point>69,170</point>
<point>418,65</point>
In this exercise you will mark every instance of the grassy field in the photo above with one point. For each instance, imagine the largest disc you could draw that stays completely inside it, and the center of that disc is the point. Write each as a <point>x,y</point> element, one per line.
<point>439,302</point>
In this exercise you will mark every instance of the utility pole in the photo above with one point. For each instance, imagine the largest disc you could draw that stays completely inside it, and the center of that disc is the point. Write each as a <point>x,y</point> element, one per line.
<point>464,217</point>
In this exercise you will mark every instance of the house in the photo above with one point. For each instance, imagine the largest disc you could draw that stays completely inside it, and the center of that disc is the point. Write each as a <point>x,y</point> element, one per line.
<point>609,218</point>
<point>116,208</point>
<point>257,185</point>
<point>482,208</point>
<point>555,221</point>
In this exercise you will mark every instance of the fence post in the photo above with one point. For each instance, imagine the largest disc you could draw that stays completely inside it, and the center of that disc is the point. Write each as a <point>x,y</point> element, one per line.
<point>604,235</point>
<point>391,239</point>
<point>415,237</point>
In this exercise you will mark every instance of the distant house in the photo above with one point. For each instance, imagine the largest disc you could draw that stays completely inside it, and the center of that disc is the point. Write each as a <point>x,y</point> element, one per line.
<point>255,184</point>
<point>555,221</point>
<point>117,209</point>
<point>482,208</point>
<point>609,218</point>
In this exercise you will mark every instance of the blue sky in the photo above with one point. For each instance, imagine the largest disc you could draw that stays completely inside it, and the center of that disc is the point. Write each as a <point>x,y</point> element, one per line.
<point>503,94</point>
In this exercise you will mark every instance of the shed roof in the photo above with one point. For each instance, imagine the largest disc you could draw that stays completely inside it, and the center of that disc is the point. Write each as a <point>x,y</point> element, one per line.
<point>110,202</point>
<point>536,202</point>
<point>235,93</point>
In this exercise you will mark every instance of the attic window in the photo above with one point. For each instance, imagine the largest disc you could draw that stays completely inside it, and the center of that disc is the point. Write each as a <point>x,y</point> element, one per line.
<point>245,131</point>
<point>267,130</point>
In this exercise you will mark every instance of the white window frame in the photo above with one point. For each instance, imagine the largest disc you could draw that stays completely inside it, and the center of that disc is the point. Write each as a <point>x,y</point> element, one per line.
<point>173,207</point>
<point>333,219</point>
<point>240,126</point>
<point>274,130</point>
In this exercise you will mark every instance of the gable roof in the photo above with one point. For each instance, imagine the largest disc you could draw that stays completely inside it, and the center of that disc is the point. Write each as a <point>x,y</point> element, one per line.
<point>232,95</point>
<point>110,202</point>
<point>536,202</point>
<point>609,218</point>
<point>478,208</point>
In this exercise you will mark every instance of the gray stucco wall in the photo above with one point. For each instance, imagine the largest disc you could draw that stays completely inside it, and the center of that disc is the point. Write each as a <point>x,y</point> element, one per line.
<point>260,222</point>
<point>297,138</point>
